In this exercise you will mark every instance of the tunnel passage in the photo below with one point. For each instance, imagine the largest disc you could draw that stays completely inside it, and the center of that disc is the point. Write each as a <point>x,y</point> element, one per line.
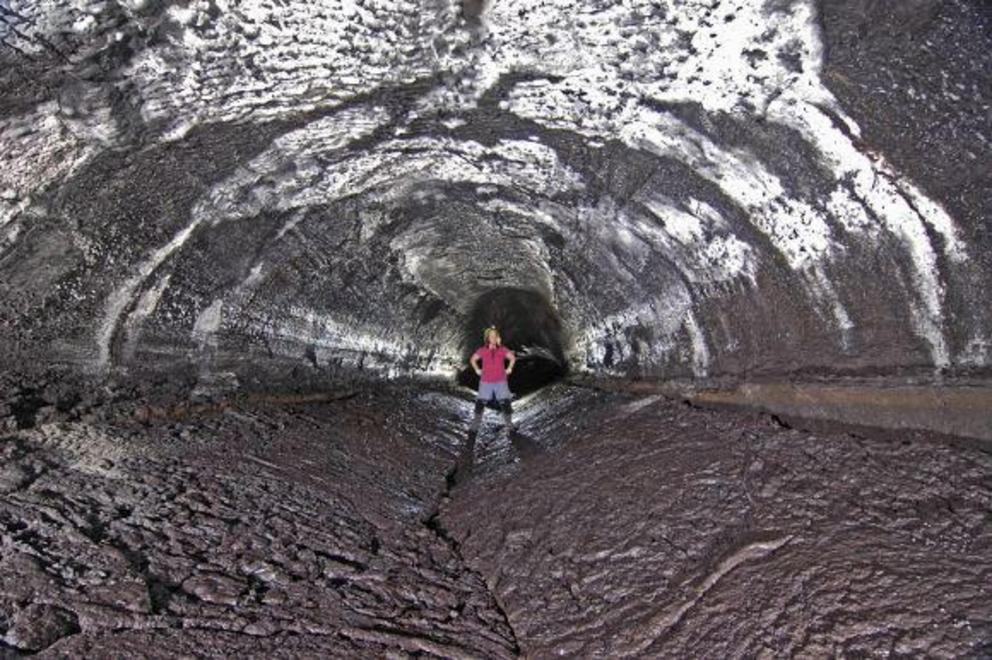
<point>529,326</point>
<point>704,200</point>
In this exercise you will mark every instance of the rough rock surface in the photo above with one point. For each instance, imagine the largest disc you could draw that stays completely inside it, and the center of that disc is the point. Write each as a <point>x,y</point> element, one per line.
<point>207,203</point>
<point>608,525</point>
<point>649,528</point>
<point>289,530</point>
<point>251,193</point>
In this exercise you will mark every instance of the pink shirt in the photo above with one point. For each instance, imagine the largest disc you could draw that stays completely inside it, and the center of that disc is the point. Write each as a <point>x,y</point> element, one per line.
<point>493,368</point>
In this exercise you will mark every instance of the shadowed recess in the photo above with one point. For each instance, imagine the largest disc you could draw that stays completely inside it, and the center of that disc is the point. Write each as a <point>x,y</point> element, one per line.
<point>529,326</point>
<point>472,10</point>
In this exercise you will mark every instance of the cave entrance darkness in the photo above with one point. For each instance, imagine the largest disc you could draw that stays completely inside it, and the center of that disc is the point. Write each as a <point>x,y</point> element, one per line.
<point>529,326</point>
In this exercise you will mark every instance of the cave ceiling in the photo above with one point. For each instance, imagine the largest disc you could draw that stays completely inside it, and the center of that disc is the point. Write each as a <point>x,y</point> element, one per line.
<point>698,188</point>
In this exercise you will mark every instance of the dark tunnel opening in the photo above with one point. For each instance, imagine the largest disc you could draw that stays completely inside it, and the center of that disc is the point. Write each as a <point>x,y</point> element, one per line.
<point>529,326</point>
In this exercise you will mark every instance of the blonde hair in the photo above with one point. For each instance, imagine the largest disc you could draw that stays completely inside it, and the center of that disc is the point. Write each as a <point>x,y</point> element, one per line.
<point>485,335</point>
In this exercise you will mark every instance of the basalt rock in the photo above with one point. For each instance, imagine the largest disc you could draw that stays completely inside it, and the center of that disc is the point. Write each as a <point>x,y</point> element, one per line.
<point>260,195</point>
<point>246,249</point>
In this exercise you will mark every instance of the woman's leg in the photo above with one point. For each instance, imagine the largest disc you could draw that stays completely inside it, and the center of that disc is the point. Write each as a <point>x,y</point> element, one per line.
<point>486,392</point>
<point>507,413</point>
<point>480,406</point>
<point>504,395</point>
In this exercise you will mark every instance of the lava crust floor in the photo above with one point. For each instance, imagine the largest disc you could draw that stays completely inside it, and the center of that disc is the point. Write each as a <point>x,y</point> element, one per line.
<point>608,525</point>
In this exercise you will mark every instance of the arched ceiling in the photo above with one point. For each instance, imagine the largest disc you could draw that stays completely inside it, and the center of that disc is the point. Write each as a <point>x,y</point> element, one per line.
<point>261,187</point>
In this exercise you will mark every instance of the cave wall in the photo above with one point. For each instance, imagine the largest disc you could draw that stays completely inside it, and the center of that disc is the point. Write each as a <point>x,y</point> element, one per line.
<point>249,193</point>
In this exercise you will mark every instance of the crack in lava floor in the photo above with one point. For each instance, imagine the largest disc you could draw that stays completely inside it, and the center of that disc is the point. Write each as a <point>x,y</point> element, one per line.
<point>607,525</point>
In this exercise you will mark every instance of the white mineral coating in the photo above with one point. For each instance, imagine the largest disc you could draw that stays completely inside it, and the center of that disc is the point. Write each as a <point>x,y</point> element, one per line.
<point>335,183</point>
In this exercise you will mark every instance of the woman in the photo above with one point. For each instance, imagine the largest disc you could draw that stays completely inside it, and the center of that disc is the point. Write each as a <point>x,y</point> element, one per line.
<point>492,377</point>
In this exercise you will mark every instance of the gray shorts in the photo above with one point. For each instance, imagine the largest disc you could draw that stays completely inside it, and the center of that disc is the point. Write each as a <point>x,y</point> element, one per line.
<point>498,390</point>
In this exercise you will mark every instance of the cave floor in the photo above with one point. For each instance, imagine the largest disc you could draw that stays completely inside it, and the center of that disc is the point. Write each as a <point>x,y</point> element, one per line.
<point>609,524</point>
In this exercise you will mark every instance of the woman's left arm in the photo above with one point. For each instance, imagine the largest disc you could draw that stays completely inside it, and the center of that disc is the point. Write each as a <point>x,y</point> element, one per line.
<point>513,360</point>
